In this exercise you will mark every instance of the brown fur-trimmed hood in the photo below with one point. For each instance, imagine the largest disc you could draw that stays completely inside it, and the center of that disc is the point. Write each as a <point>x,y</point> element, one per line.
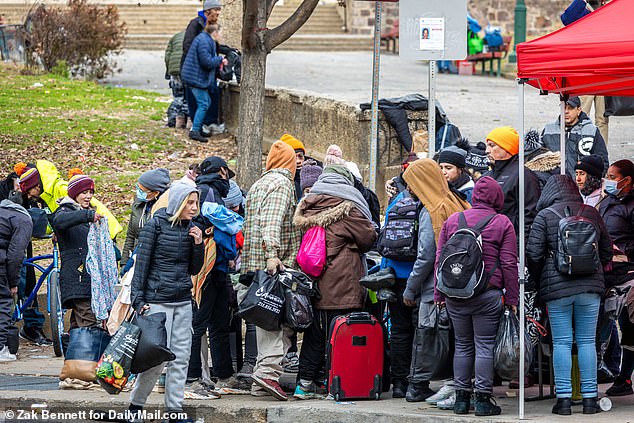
<point>321,210</point>
<point>545,162</point>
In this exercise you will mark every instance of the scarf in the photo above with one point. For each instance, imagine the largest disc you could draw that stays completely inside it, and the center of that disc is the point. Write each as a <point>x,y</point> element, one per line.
<point>337,185</point>
<point>430,186</point>
<point>101,264</point>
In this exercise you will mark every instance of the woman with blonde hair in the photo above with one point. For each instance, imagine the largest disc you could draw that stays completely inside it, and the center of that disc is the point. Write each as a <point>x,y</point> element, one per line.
<point>170,251</point>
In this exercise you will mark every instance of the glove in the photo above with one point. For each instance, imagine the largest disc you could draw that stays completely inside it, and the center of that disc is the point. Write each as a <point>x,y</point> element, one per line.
<point>390,188</point>
<point>273,265</point>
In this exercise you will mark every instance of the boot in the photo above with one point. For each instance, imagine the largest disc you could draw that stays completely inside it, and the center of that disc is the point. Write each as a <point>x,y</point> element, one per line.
<point>485,405</point>
<point>591,406</point>
<point>463,401</point>
<point>563,407</point>
<point>417,392</point>
<point>181,122</point>
<point>399,387</point>
<point>197,136</point>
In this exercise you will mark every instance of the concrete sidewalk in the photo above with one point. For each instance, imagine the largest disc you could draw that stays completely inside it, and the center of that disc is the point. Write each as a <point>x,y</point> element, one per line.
<point>20,393</point>
<point>476,104</point>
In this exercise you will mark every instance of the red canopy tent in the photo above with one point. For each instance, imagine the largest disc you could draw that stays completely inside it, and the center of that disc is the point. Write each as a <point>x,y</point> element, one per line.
<point>594,55</point>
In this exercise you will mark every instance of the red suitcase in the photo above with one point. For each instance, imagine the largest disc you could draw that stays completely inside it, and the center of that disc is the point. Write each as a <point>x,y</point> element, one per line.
<point>355,357</point>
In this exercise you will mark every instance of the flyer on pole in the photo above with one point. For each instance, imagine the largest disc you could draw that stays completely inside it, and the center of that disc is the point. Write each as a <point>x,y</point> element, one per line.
<point>432,33</point>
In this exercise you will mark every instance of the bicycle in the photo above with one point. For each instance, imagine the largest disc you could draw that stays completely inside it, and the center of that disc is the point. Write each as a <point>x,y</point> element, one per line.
<point>50,274</point>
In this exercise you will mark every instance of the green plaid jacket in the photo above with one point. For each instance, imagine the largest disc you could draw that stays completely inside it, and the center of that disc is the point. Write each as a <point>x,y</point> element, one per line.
<point>268,227</point>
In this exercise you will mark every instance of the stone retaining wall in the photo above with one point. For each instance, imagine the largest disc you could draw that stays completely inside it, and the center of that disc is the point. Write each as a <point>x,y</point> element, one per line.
<point>320,122</point>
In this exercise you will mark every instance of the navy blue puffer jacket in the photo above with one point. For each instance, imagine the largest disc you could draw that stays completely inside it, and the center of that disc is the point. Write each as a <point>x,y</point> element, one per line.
<point>201,63</point>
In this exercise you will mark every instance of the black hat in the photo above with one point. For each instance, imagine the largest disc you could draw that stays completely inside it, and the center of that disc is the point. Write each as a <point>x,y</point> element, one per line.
<point>453,155</point>
<point>213,164</point>
<point>477,158</point>
<point>574,101</point>
<point>591,164</point>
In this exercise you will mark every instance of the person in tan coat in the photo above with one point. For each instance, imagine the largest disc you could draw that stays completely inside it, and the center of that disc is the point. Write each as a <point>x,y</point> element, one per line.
<point>336,205</point>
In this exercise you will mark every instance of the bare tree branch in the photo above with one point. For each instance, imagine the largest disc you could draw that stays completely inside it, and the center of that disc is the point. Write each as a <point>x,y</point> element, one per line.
<point>249,23</point>
<point>283,32</point>
<point>270,4</point>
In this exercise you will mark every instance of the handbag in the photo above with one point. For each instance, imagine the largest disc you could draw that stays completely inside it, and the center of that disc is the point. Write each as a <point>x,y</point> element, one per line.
<point>152,347</point>
<point>84,349</point>
<point>311,256</point>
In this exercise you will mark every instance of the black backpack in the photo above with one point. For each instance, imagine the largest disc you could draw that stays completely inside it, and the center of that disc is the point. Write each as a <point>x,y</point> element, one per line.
<point>460,273</point>
<point>398,239</point>
<point>577,244</point>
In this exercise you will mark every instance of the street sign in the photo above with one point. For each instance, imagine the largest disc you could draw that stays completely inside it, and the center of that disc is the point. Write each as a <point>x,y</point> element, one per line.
<point>433,30</point>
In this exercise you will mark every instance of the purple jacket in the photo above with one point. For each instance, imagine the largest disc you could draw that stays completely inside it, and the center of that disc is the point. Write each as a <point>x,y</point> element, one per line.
<point>498,238</point>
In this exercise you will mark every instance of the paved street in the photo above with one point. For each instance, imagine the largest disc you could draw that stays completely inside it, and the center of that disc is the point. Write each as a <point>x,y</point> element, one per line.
<point>475,104</point>
<point>33,380</point>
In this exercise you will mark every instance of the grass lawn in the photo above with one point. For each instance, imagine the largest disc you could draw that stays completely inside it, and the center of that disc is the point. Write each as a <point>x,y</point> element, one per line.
<point>112,134</point>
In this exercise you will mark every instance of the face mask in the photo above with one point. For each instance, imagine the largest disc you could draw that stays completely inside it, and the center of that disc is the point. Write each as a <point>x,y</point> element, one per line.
<point>611,187</point>
<point>140,194</point>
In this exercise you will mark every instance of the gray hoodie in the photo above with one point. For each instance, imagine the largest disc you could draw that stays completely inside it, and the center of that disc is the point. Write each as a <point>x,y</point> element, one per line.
<point>179,191</point>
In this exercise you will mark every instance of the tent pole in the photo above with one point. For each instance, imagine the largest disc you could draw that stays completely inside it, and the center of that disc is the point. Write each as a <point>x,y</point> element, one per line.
<point>562,136</point>
<point>522,222</point>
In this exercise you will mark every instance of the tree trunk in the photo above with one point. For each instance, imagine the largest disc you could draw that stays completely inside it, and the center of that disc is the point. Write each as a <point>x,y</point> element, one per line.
<point>251,115</point>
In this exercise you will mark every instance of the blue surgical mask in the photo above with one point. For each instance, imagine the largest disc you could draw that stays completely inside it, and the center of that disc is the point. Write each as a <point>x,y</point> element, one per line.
<point>140,194</point>
<point>611,187</point>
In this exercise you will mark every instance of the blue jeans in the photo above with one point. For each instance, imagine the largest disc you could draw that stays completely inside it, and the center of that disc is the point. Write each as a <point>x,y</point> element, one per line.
<point>202,104</point>
<point>584,308</point>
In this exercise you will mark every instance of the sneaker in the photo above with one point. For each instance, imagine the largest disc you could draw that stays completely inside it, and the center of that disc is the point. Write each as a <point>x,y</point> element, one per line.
<point>447,404</point>
<point>417,392</point>
<point>306,392</point>
<point>216,129</point>
<point>201,389</point>
<point>290,362</point>
<point>445,392</point>
<point>35,335</point>
<point>384,278</point>
<point>271,386</point>
<point>197,136</point>
<point>257,391</point>
<point>620,388</point>
<point>246,371</point>
<point>5,355</point>
<point>386,294</point>
<point>233,382</point>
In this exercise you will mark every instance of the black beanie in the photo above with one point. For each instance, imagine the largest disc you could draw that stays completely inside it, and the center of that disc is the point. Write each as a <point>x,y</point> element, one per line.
<point>592,164</point>
<point>453,155</point>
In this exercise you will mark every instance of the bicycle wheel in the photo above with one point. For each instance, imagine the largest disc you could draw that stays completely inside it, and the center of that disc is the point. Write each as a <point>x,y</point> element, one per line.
<point>57,313</point>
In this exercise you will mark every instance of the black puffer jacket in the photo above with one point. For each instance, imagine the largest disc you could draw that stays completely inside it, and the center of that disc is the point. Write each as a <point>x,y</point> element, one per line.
<point>71,224</point>
<point>561,192</point>
<point>618,215</point>
<point>506,173</point>
<point>166,259</point>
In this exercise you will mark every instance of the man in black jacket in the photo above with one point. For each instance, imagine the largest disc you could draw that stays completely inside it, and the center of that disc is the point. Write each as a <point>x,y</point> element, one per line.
<point>15,235</point>
<point>502,148</point>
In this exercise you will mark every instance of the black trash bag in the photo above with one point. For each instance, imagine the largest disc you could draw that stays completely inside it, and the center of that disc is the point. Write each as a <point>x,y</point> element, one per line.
<point>152,348</point>
<point>83,352</point>
<point>13,339</point>
<point>619,106</point>
<point>263,304</point>
<point>298,290</point>
<point>506,354</point>
<point>113,369</point>
<point>432,357</point>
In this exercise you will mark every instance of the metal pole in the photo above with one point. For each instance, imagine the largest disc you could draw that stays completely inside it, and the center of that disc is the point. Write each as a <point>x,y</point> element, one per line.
<point>522,249</point>
<point>519,29</point>
<point>376,65</point>
<point>431,110</point>
<point>562,136</point>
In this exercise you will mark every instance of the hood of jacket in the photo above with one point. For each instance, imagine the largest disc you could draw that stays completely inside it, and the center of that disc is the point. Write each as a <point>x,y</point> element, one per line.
<point>216,181</point>
<point>178,193</point>
<point>10,205</point>
<point>544,161</point>
<point>559,189</point>
<point>487,193</point>
<point>321,210</point>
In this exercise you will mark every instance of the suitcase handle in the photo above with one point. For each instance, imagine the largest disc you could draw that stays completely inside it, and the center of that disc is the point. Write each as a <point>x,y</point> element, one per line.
<point>360,317</point>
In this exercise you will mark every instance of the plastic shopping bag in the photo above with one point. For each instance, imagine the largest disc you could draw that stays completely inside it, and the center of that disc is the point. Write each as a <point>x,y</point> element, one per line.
<point>113,369</point>
<point>152,348</point>
<point>298,290</point>
<point>263,304</point>
<point>506,355</point>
